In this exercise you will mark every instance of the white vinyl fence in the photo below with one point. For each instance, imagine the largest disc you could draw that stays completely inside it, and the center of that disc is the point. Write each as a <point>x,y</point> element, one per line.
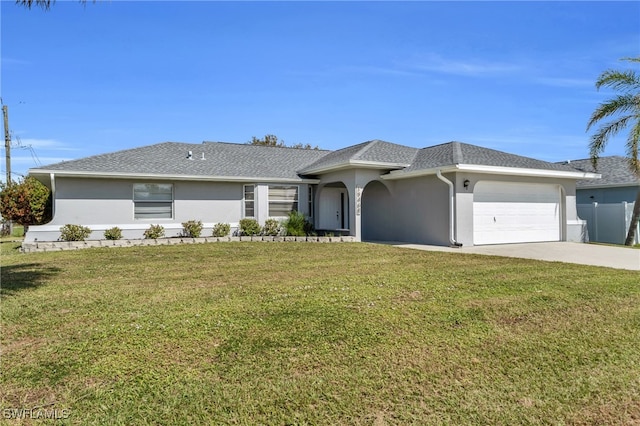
<point>607,223</point>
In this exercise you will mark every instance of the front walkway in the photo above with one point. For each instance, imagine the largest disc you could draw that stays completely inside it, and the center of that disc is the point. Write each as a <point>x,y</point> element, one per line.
<point>579,253</point>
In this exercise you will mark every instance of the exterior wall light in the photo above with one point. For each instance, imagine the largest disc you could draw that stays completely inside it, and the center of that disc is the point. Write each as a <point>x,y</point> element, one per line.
<point>465,183</point>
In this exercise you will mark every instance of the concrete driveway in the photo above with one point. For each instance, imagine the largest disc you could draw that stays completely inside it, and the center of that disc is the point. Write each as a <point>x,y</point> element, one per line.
<point>583,254</point>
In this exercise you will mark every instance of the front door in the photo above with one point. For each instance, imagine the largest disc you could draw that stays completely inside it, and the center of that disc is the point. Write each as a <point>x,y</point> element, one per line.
<point>334,213</point>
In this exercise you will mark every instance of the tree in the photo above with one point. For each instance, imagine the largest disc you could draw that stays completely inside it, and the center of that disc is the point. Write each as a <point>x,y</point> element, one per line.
<point>45,4</point>
<point>272,140</point>
<point>27,202</point>
<point>624,111</point>
<point>268,140</point>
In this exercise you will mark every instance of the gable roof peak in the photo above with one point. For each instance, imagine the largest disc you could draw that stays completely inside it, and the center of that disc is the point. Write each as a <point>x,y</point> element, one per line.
<point>457,153</point>
<point>366,146</point>
<point>373,153</point>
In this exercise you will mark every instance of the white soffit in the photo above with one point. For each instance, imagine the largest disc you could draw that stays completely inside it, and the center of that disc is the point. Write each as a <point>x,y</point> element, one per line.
<point>494,170</point>
<point>100,175</point>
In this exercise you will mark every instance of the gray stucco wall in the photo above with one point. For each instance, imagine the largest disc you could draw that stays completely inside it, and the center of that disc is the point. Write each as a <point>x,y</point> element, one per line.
<point>417,210</point>
<point>105,203</point>
<point>378,215</point>
<point>421,210</point>
<point>110,201</point>
<point>414,210</point>
<point>354,181</point>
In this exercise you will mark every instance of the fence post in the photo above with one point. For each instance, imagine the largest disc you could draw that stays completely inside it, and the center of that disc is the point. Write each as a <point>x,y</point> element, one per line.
<point>624,221</point>
<point>595,221</point>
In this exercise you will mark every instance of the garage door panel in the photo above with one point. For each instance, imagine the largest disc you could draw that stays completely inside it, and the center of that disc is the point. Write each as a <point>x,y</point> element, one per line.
<point>515,213</point>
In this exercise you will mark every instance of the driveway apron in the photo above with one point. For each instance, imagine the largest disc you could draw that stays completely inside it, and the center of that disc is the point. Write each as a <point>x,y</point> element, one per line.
<point>578,253</point>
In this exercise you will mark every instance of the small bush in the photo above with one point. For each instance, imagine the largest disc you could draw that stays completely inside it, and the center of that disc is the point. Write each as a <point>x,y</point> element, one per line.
<point>74,232</point>
<point>18,231</point>
<point>249,227</point>
<point>221,229</point>
<point>271,227</point>
<point>114,233</point>
<point>297,225</point>
<point>154,232</point>
<point>309,229</point>
<point>192,228</point>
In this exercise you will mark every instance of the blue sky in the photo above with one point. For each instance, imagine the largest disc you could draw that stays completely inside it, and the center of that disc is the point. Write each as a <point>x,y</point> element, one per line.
<point>86,79</point>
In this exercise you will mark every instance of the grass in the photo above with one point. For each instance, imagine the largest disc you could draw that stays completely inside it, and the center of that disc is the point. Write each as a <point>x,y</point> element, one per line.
<point>18,233</point>
<point>295,333</point>
<point>635,246</point>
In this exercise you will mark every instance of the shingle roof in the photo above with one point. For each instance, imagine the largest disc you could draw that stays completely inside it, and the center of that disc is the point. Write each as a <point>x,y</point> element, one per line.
<point>375,151</point>
<point>615,171</point>
<point>221,160</point>
<point>453,153</point>
<point>243,161</point>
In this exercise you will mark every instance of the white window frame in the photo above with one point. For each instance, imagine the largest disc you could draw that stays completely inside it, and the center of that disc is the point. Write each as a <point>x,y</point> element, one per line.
<point>139,202</point>
<point>245,200</point>
<point>296,201</point>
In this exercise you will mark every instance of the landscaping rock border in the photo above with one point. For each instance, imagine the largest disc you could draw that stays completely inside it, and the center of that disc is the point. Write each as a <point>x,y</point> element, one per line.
<point>47,246</point>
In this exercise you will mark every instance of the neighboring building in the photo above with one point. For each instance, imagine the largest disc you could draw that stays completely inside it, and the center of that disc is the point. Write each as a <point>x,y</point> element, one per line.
<point>607,203</point>
<point>449,194</point>
<point>617,184</point>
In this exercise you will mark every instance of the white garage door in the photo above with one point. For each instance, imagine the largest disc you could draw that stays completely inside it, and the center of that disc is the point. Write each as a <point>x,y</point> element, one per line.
<point>515,212</point>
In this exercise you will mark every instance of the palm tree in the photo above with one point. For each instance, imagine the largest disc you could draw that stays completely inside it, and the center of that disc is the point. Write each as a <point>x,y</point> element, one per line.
<point>45,4</point>
<point>624,110</point>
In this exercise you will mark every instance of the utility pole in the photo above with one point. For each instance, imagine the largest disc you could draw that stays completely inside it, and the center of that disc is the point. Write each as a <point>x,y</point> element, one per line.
<point>8,226</point>
<point>7,142</point>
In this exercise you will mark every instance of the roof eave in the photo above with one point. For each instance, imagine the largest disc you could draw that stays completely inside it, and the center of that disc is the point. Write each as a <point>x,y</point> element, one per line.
<point>155,176</point>
<point>608,185</point>
<point>360,164</point>
<point>494,170</point>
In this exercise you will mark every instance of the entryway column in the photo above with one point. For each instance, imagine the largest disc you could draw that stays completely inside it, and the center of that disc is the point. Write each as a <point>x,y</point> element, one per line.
<point>357,212</point>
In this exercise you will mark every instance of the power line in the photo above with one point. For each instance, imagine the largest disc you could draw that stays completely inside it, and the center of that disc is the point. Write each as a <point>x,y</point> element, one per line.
<point>29,147</point>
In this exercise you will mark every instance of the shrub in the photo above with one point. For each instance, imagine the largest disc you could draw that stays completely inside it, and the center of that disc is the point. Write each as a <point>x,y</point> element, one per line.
<point>114,233</point>
<point>271,227</point>
<point>27,202</point>
<point>249,227</point>
<point>309,229</point>
<point>154,232</point>
<point>297,225</point>
<point>221,229</point>
<point>192,228</point>
<point>74,232</point>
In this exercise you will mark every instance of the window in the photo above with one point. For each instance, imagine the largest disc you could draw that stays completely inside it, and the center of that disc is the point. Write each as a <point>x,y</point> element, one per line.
<point>249,201</point>
<point>282,200</point>
<point>152,201</point>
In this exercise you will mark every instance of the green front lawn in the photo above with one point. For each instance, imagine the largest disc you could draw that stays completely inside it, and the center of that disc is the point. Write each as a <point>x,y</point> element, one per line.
<point>301,333</point>
<point>18,233</point>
